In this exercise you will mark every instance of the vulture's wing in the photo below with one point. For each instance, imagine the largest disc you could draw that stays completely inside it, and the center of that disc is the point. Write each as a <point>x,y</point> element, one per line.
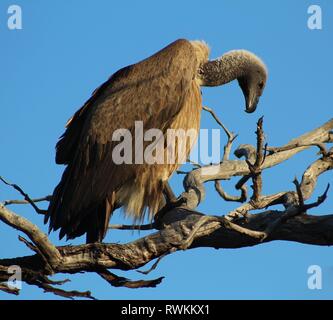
<point>151,91</point>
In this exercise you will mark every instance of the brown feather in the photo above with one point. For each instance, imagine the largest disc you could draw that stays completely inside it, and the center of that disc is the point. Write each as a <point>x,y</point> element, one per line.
<point>162,92</point>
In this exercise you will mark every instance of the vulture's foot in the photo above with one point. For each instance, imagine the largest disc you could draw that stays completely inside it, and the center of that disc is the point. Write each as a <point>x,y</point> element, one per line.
<point>171,200</point>
<point>168,206</point>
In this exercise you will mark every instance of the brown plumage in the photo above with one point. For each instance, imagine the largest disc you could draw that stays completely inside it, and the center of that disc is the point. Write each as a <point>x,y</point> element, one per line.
<point>163,92</point>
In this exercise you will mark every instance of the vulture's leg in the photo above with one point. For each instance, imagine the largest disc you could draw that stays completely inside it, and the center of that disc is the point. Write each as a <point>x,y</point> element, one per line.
<point>168,193</point>
<point>169,202</point>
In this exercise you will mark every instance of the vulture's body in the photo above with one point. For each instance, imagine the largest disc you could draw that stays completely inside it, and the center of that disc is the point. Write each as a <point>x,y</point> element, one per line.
<point>163,92</point>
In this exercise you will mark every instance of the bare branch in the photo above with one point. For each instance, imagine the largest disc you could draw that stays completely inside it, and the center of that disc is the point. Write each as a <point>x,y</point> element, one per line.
<point>319,201</point>
<point>195,164</point>
<point>9,202</point>
<point>195,179</point>
<point>251,233</point>
<point>211,111</point>
<point>320,145</point>
<point>64,293</point>
<point>116,281</point>
<point>241,198</point>
<point>149,226</point>
<point>154,266</point>
<point>256,167</point>
<point>48,250</point>
<point>5,288</point>
<point>299,193</point>
<point>231,136</point>
<point>263,203</point>
<point>181,228</point>
<point>25,195</point>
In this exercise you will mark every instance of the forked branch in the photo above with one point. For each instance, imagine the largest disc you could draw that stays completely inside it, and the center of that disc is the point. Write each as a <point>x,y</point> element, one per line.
<point>180,227</point>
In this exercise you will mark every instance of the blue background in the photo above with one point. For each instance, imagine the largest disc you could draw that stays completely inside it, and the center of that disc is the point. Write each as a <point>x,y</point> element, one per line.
<point>68,48</point>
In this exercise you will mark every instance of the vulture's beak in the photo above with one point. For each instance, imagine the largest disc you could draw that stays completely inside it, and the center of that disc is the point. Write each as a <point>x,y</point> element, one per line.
<point>251,104</point>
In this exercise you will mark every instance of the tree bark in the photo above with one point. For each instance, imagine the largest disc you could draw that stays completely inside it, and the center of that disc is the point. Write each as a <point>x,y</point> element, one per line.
<point>181,227</point>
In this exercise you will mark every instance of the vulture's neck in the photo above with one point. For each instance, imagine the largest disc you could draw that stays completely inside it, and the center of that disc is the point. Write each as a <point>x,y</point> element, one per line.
<point>232,65</point>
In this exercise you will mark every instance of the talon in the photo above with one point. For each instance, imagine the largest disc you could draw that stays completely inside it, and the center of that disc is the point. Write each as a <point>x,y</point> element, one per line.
<point>177,202</point>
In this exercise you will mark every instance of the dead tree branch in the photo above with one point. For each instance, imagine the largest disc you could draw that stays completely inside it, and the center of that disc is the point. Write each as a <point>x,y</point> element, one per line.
<point>180,227</point>
<point>25,195</point>
<point>194,180</point>
<point>10,202</point>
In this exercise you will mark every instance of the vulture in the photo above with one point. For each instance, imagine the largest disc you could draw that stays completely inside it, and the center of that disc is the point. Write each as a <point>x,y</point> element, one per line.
<point>162,92</point>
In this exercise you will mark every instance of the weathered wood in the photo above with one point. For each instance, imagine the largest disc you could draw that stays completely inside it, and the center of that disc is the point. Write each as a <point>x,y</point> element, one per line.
<point>182,228</point>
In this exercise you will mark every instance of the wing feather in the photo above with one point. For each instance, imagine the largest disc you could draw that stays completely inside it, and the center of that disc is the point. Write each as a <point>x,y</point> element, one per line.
<point>151,91</point>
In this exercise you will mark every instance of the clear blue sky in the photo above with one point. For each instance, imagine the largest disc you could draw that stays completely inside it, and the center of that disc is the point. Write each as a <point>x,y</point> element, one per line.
<point>67,48</point>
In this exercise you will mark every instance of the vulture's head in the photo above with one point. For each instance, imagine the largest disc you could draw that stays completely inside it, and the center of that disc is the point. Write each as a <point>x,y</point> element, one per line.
<point>242,65</point>
<point>253,82</point>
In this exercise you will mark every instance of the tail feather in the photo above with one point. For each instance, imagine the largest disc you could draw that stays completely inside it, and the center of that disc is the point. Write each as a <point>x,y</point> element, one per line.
<point>93,220</point>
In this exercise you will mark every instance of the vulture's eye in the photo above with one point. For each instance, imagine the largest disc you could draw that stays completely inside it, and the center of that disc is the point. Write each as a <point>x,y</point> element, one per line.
<point>261,85</point>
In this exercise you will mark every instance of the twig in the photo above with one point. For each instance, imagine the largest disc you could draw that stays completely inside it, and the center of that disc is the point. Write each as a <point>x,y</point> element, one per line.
<point>117,281</point>
<point>182,172</point>
<point>66,294</point>
<point>29,244</point>
<point>241,198</point>
<point>48,251</point>
<point>265,154</point>
<point>256,168</point>
<point>9,202</point>
<point>251,233</point>
<point>154,266</point>
<point>5,288</point>
<point>299,193</point>
<point>195,164</point>
<point>25,195</point>
<point>264,202</point>
<point>310,176</point>
<point>319,201</point>
<point>231,136</point>
<point>149,226</point>
<point>293,211</point>
<point>242,182</point>
<point>320,145</point>
<point>195,179</point>
<point>211,111</point>
<point>186,243</point>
